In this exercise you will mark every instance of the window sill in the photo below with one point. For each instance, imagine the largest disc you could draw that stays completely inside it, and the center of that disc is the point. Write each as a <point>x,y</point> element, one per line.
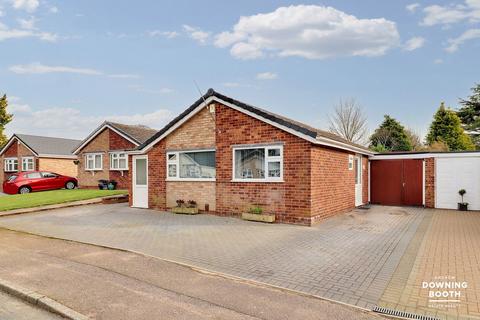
<point>190,180</point>
<point>257,180</point>
<point>111,169</point>
<point>93,170</point>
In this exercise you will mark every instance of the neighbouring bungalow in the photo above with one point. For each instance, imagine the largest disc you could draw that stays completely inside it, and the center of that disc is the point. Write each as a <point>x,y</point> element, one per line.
<point>229,156</point>
<point>102,155</point>
<point>25,152</point>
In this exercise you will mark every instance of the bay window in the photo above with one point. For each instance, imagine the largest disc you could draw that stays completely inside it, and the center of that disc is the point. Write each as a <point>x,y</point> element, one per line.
<point>191,165</point>
<point>262,163</point>
<point>10,165</point>
<point>28,164</point>
<point>94,161</point>
<point>118,161</point>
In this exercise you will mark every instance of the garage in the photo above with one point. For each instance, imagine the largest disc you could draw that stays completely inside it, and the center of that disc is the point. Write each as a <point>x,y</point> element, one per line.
<point>454,172</point>
<point>397,182</point>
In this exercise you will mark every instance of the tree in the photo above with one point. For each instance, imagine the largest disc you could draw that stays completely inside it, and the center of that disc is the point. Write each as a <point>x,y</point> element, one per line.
<point>391,136</point>
<point>348,121</point>
<point>414,139</point>
<point>469,114</point>
<point>438,146</point>
<point>5,118</point>
<point>446,127</point>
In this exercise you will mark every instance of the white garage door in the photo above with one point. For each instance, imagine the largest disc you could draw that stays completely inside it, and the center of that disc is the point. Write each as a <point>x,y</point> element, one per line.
<point>453,174</point>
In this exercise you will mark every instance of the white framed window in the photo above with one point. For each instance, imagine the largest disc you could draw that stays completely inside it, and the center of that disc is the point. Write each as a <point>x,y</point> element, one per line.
<point>118,161</point>
<point>350,162</point>
<point>94,161</point>
<point>258,164</point>
<point>28,164</point>
<point>10,165</point>
<point>198,165</point>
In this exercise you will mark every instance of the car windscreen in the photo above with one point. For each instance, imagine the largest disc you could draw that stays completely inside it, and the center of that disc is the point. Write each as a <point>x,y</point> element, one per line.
<point>12,178</point>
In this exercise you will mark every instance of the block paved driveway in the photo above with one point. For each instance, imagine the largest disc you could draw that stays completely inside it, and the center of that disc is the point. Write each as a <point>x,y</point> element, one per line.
<point>349,258</point>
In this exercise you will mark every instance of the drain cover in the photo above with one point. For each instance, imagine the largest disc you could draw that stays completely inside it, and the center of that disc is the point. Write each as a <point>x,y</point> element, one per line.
<point>402,314</point>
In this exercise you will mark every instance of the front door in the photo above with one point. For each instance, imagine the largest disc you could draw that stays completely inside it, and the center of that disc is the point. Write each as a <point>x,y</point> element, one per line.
<point>140,181</point>
<point>358,181</point>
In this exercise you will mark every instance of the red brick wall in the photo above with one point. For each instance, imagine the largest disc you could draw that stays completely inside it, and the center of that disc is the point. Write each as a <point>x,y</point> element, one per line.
<point>317,183</point>
<point>290,200</point>
<point>333,185</point>
<point>430,182</point>
<point>117,142</point>
<point>15,150</point>
<point>12,151</point>
<point>156,177</point>
<point>104,142</point>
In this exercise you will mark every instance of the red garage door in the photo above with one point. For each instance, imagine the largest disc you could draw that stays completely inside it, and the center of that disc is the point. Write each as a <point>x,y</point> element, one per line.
<point>396,182</point>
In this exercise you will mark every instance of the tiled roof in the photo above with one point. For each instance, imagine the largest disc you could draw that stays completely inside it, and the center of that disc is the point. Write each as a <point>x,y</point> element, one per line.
<point>48,145</point>
<point>284,121</point>
<point>137,132</point>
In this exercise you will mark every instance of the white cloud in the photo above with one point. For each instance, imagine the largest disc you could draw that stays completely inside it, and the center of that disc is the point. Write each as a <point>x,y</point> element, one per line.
<point>53,9</point>
<point>445,15</point>
<point>7,34</point>
<point>124,76</point>
<point>267,76</point>
<point>28,24</point>
<point>414,43</point>
<point>18,107</point>
<point>165,34</point>
<point>1,12</point>
<point>197,34</point>
<point>27,5</point>
<point>72,123</point>
<point>455,43</point>
<point>438,61</point>
<point>38,68</point>
<point>412,7</point>
<point>308,31</point>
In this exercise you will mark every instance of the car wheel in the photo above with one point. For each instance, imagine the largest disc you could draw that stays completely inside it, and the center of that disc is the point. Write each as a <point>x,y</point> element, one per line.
<point>24,190</point>
<point>70,185</point>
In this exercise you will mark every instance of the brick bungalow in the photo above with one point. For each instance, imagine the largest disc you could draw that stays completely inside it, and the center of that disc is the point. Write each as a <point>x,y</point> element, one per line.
<point>229,156</point>
<point>102,156</point>
<point>27,153</point>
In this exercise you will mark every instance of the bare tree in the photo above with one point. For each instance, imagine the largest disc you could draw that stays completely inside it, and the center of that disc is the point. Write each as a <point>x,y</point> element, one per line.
<point>415,140</point>
<point>349,121</point>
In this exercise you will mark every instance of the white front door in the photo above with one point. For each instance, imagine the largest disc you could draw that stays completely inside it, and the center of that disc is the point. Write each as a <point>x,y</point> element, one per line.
<point>140,181</point>
<point>358,181</point>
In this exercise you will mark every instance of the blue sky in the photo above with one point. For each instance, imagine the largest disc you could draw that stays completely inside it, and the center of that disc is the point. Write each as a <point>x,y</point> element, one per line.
<point>68,65</point>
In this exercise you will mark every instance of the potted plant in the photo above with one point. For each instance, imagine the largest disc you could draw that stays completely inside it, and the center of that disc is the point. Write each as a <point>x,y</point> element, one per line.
<point>190,207</point>
<point>255,213</point>
<point>462,206</point>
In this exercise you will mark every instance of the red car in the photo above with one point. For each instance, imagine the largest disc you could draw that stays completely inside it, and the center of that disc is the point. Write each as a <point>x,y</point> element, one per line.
<point>26,182</point>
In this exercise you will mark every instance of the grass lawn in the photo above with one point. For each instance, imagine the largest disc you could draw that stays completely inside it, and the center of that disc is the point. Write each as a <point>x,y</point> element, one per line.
<point>35,199</point>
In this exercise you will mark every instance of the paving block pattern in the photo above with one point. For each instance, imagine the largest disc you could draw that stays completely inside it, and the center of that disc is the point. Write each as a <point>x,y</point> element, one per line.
<point>445,249</point>
<point>348,258</point>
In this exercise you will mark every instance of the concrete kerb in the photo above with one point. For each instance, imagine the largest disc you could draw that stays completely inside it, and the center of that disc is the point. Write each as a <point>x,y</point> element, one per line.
<point>40,300</point>
<point>106,200</point>
<point>209,272</point>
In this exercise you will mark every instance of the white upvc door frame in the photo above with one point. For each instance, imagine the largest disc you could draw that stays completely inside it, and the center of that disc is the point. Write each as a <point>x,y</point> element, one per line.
<point>139,192</point>
<point>359,180</point>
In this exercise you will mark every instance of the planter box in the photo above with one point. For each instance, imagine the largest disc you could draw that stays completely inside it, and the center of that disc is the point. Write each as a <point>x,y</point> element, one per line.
<point>185,210</point>
<point>463,206</point>
<point>258,217</point>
